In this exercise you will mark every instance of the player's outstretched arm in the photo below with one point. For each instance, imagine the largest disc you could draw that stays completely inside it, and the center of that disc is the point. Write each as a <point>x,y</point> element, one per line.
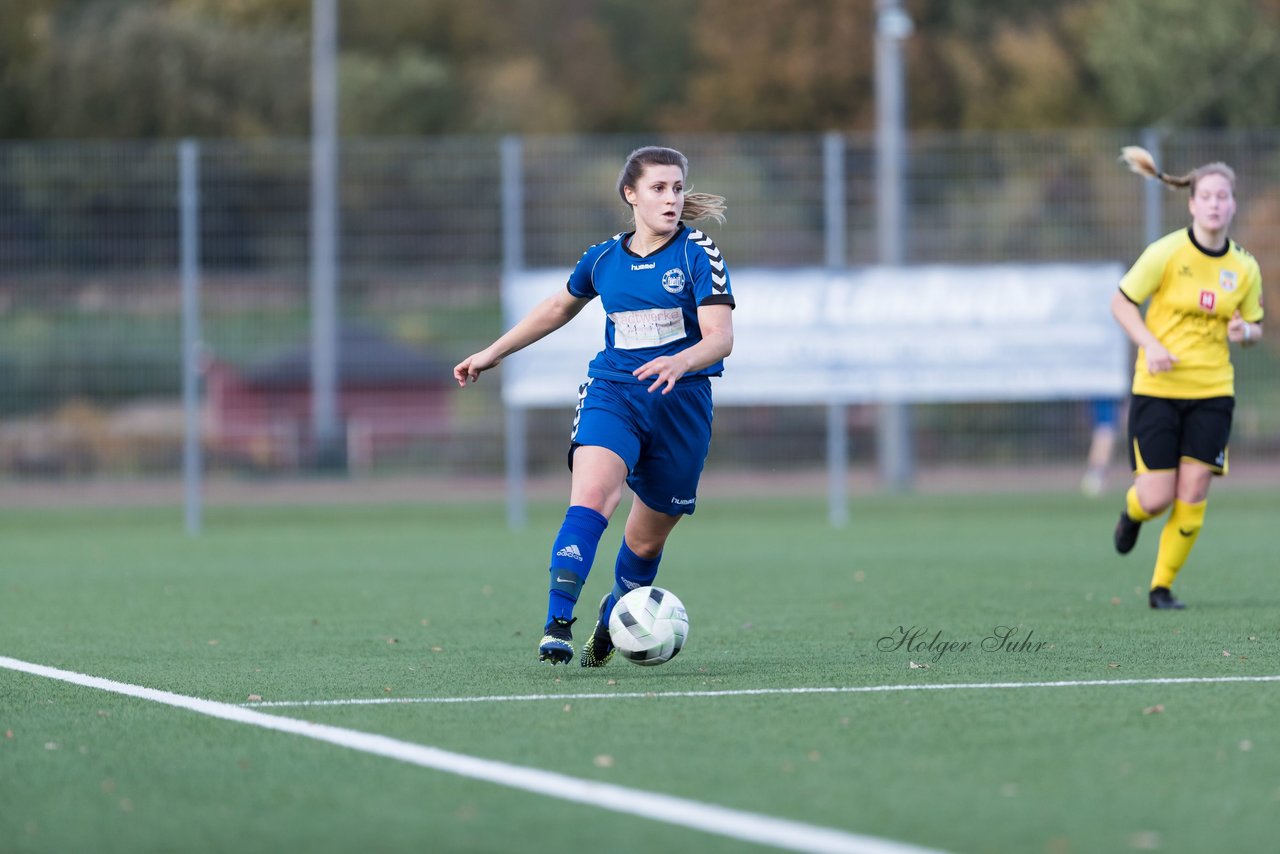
<point>546,317</point>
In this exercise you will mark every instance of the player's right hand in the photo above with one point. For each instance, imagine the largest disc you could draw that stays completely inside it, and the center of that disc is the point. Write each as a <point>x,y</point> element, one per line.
<point>1159,359</point>
<point>468,370</point>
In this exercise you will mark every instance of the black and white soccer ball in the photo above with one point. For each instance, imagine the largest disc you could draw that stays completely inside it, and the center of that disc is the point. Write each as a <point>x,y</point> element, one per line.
<point>649,625</point>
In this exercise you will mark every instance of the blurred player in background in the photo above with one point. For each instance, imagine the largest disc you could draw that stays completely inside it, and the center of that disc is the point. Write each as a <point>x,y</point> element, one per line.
<point>644,414</point>
<point>1104,414</point>
<point>1205,291</point>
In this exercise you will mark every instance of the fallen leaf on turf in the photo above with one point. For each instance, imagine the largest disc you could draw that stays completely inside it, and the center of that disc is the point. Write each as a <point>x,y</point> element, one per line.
<point>1113,664</point>
<point>612,682</point>
<point>604,760</point>
<point>8,733</point>
<point>393,640</point>
<point>1226,654</point>
<point>253,698</point>
<point>1246,745</point>
<point>437,649</point>
<point>568,707</point>
<point>1153,710</point>
<point>1115,600</point>
<point>1146,840</point>
<point>915,666</point>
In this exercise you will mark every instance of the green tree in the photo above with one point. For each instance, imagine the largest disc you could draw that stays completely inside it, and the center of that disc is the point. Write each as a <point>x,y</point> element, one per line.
<point>777,65</point>
<point>164,71</point>
<point>1179,62</point>
<point>996,64</point>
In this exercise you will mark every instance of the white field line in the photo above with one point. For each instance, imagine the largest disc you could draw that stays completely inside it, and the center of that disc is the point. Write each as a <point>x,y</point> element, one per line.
<point>757,692</point>
<point>721,821</point>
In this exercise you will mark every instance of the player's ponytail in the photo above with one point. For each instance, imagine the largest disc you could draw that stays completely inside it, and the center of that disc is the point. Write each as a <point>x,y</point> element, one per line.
<point>703,206</point>
<point>696,205</point>
<point>1139,160</point>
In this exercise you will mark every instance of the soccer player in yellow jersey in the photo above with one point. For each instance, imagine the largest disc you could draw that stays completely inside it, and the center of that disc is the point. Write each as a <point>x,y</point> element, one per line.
<point>1204,292</point>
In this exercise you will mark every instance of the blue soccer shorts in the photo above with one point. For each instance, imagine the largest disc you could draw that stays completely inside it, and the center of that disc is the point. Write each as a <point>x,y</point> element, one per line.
<point>663,438</point>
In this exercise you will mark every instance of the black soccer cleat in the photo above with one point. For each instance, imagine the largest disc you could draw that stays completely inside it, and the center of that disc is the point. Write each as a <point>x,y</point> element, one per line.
<point>1126,533</point>
<point>598,649</point>
<point>556,645</point>
<point>1162,600</point>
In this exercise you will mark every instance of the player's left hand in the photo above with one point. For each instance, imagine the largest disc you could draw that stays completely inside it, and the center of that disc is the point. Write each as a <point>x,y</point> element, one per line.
<point>666,370</point>
<point>1235,328</point>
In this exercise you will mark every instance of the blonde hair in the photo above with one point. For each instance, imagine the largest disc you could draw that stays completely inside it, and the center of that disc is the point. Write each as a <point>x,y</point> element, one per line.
<point>696,205</point>
<point>1140,160</point>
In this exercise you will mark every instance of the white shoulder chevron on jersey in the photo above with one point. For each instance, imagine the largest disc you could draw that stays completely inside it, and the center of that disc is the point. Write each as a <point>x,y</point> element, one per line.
<point>715,259</point>
<point>708,245</point>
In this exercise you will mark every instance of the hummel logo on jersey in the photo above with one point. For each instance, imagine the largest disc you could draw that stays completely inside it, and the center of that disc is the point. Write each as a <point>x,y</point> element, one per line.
<point>650,266</point>
<point>570,550</point>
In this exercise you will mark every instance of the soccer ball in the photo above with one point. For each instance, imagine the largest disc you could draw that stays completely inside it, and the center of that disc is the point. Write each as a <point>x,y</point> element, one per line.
<point>648,625</point>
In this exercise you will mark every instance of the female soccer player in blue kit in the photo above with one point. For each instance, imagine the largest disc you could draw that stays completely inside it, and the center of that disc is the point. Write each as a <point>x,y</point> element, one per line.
<point>644,414</point>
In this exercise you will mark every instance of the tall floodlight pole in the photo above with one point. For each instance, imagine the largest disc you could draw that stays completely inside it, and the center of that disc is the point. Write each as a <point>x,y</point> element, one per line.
<point>893,25</point>
<point>324,232</point>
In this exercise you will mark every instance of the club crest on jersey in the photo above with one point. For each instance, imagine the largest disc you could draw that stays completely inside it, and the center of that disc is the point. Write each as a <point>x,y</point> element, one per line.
<point>1207,300</point>
<point>673,280</point>
<point>1227,280</point>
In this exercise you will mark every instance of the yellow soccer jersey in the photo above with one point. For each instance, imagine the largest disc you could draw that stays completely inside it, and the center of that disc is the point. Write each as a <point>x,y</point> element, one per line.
<point>1194,293</point>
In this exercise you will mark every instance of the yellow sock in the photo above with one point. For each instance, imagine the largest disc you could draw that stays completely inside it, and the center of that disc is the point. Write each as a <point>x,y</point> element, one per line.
<point>1133,508</point>
<point>1177,538</point>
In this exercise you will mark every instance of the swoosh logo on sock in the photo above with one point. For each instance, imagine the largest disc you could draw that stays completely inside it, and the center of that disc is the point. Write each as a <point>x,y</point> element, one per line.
<point>1185,532</point>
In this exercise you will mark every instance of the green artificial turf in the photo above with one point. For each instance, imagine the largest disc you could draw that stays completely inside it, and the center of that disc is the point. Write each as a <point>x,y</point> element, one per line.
<point>432,601</point>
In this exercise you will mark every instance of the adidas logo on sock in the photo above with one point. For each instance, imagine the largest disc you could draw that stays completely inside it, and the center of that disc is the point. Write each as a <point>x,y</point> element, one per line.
<point>629,584</point>
<point>570,550</point>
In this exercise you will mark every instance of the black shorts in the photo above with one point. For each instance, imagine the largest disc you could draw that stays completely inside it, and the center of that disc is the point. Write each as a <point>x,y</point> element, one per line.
<point>1164,431</point>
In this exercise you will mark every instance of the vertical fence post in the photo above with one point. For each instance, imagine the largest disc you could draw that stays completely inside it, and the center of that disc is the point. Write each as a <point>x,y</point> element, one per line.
<point>894,450</point>
<point>512,262</point>
<point>189,253</point>
<point>833,203</point>
<point>326,431</point>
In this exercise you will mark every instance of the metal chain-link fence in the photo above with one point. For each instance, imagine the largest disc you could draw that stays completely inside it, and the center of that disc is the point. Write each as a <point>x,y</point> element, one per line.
<point>90,344</point>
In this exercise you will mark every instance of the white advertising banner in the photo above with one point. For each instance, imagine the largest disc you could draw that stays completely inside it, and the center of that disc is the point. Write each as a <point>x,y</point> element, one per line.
<point>872,335</point>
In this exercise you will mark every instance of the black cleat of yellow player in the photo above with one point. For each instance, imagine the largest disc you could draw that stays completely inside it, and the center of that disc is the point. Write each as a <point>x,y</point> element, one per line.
<point>1126,534</point>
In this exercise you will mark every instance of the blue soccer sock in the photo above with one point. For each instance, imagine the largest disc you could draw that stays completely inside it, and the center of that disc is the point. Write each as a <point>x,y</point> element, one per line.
<point>572,554</point>
<point>629,572</point>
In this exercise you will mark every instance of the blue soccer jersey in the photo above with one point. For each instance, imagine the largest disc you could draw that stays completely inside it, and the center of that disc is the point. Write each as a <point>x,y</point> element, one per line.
<point>652,302</point>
